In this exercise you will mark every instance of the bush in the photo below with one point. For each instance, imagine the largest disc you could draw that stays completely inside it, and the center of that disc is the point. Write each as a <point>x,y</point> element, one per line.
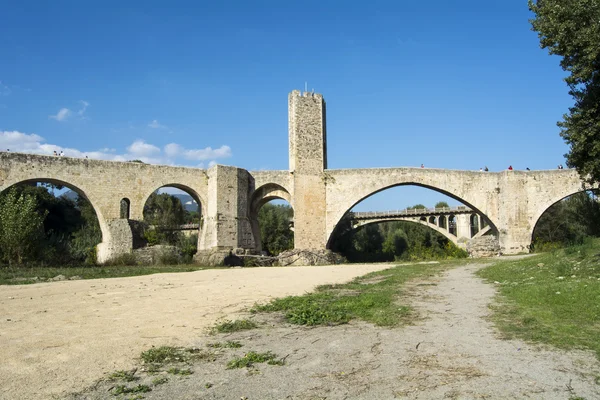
<point>123,260</point>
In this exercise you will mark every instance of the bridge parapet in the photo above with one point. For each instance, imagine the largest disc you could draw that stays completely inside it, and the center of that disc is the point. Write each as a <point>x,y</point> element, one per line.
<point>421,212</point>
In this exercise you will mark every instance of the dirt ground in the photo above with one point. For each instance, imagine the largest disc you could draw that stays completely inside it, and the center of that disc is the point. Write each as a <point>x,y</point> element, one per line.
<point>59,337</point>
<point>451,352</point>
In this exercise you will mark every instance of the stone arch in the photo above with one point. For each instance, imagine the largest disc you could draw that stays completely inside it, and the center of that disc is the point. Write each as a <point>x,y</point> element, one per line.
<point>80,192</point>
<point>541,211</point>
<point>433,227</point>
<point>193,193</point>
<point>474,224</point>
<point>442,219</point>
<point>124,209</point>
<point>266,193</point>
<point>261,196</point>
<point>432,220</point>
<point>452,224</point>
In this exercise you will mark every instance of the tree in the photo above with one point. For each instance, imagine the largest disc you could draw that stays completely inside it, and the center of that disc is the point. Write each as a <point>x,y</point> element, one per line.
<point>571,29</point>
<point>21,227</point>
<point>165,212</point>
<point>275,233</point>
<point>441,204</point>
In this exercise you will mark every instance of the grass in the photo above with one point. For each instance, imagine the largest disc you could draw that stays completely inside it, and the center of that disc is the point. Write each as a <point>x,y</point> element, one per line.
<point>160,380</point>
<point>553,298</point>
<point>230,344</point>
<point>27,275</point>
<point>233,326</point>
<point>127,376</point>
<point>179,371</point>
<point>373,298</point>
<point>122,389</point>
<point>157,356</point>
<point>252,357</point>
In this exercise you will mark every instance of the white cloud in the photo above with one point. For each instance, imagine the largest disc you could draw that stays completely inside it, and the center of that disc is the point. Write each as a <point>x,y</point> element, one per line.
<point>84,106</point>
<point>156,125</point>
<point>173,153</point>
<point>207,153</point>
<point>61,115</point>
<point>142,149</point>
<point>173,150</point>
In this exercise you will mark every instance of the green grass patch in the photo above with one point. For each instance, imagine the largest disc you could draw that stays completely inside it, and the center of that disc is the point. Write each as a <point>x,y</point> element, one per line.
<point>122,389</point>
<point>27,275</point>
<point>179,371</point>
<point>552,298</point>
<point>252,357</point>
<point>158,356</point>
<point>233,326</point>
<point>373,298</point>
<point>126,376</point>
<point>230,344</point>
<point>160,380</point>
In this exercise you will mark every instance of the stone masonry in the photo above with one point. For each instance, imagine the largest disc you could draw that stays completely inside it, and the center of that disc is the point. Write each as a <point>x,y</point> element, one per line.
<point>230,197</point>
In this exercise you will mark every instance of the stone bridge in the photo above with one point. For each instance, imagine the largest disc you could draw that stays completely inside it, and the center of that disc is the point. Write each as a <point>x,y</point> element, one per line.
<point>510,202</point>
<point>458,224</point>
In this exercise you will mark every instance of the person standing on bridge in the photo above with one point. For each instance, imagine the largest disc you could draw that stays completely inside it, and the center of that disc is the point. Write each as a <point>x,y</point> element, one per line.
<point>510,168</point>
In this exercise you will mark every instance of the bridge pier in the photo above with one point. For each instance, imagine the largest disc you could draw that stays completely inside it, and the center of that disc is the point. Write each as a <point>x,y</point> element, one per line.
<point>226,225</point>
<point>117,239</point>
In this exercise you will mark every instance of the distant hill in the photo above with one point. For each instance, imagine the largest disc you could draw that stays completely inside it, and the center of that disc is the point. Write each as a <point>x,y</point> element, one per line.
<point>188,202</point>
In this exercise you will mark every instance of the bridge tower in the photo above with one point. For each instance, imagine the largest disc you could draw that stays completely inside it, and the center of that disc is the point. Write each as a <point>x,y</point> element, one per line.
<point>308,161</point>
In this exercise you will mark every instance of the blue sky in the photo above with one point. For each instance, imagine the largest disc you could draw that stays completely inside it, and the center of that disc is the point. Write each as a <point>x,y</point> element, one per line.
<point>455,85</point>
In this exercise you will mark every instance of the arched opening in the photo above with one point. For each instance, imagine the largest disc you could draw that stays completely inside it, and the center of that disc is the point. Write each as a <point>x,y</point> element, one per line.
<point>272,218</point>
<point>452,224</point>
<point>47,222</point>
<point>442,222</point>
<point>402,222</point>
<point>474,224</point>
<point>172,223</point>
<point>568,221</point>
<point>125,208</point>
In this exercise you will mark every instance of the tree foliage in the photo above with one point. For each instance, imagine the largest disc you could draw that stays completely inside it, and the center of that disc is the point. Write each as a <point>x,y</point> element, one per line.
<point>571,29</point>
<point>21,227</point>
<point>441,204</point>
<point>275,233</point>
<point>389,241</point>
<point>568,222</point>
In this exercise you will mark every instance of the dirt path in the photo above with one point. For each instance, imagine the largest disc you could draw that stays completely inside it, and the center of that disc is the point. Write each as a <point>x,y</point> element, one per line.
<point>59,337</point>
<point>453,353</point>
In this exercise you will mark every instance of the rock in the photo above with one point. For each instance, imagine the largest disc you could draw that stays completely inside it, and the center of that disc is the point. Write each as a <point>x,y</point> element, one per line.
<point>58,278</point>
<point>310,257</point>
<point>483,246</point>
<point>157,254</point>
<point>540,265</point>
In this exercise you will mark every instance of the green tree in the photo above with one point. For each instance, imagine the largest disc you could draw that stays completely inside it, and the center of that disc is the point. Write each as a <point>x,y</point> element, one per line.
<point>275,233</point>
<point>165,213</point>
<point>82,247</point>
<point>571,29</point>
<point>441,204</point>
<point>21,227</point>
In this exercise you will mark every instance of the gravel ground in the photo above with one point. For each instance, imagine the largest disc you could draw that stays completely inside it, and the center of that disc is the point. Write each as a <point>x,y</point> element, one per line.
<point>57,338</point>
<point>451,352</point>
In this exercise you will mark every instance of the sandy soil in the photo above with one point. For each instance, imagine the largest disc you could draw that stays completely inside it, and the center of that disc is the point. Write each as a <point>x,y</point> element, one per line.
<point>451,352</point>
<point>59,337</point>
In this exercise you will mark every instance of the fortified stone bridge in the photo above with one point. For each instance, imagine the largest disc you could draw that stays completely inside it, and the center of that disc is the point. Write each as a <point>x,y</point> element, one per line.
<point>510,202</point>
